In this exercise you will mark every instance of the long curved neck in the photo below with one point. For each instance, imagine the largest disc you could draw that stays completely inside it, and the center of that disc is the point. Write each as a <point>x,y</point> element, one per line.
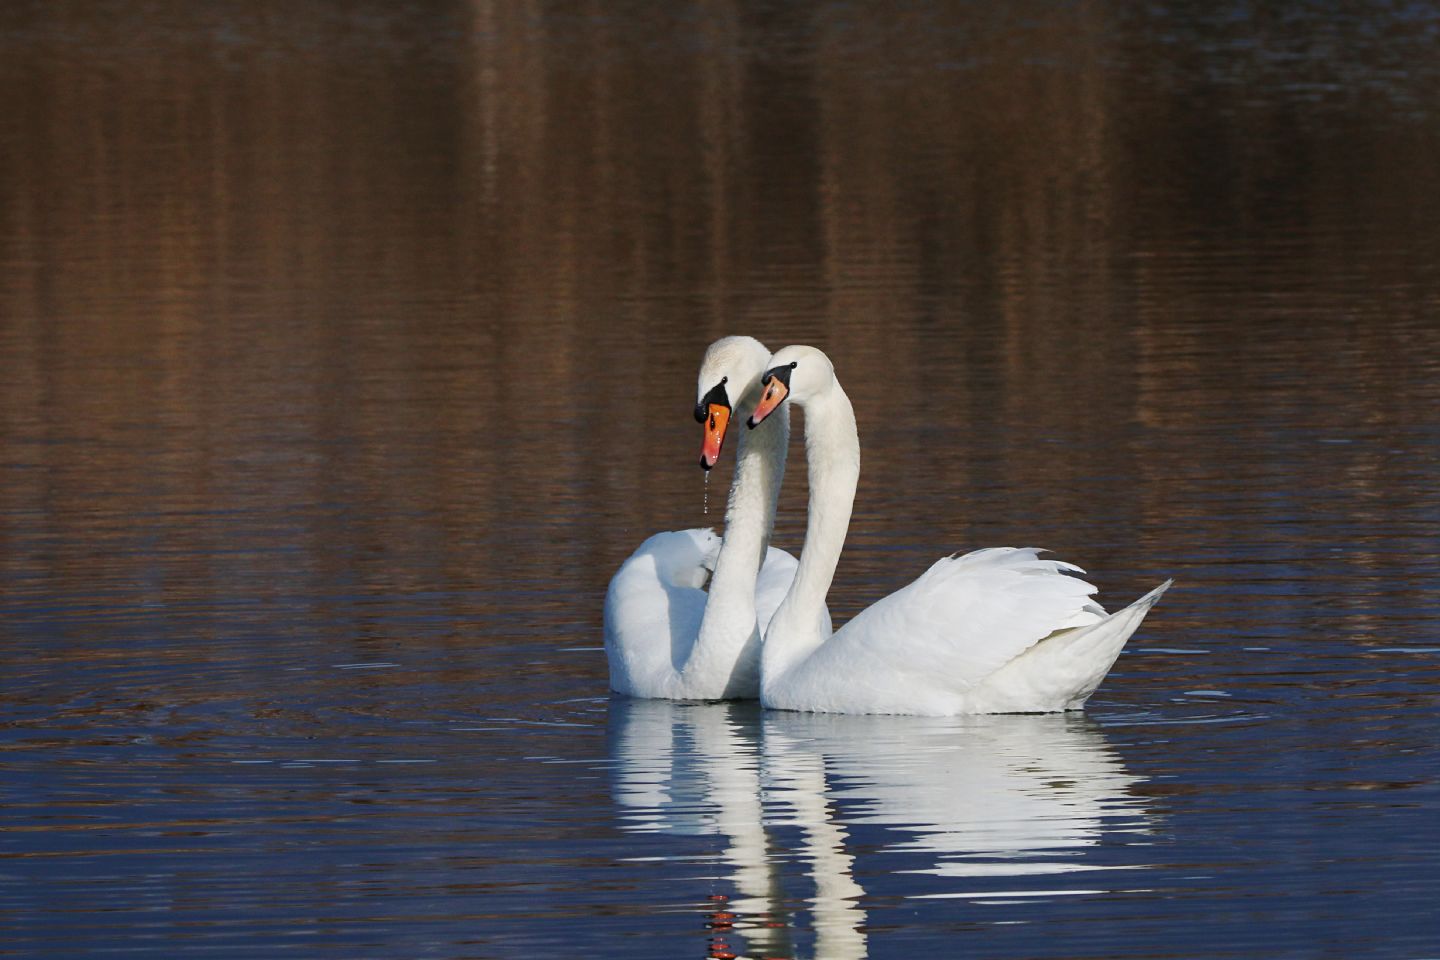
<point>832,452</point>
<point>728,630</point>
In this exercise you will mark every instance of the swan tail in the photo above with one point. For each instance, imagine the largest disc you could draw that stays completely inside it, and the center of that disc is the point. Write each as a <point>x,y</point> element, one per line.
<point>1063,670</point>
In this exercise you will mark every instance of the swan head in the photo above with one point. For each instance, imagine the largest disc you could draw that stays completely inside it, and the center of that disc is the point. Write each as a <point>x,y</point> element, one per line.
<point>796,373</point>
<point>730,370</point>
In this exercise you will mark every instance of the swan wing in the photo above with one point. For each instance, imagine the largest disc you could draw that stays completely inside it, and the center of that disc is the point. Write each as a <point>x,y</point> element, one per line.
<point>653,610</point>
<point>925,646</point>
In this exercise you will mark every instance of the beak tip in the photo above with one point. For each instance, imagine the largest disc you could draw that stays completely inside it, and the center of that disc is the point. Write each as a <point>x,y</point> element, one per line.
<point>705,463</point>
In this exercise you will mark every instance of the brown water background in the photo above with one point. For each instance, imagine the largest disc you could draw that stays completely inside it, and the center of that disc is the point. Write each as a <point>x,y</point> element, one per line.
<point>346,349</point>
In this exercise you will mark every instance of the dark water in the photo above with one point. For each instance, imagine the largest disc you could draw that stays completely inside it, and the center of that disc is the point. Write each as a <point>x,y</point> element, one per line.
<point>347,348</point>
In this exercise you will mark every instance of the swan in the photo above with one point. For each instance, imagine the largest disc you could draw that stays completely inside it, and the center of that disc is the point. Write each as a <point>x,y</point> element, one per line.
<point>665,637</point>
<point>999,630</point>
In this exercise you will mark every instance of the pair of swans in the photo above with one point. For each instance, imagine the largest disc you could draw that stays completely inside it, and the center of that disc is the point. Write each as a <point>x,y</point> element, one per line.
<point>999,630</point>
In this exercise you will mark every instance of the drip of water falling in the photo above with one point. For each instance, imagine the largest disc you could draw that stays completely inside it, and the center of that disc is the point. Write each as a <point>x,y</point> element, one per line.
<point>707,493</point>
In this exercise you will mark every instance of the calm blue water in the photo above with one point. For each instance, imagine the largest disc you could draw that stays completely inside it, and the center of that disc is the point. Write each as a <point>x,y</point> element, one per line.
<point>345,352</point>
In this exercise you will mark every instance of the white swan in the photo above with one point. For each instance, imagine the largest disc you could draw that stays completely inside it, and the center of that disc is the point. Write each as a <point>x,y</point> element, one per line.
<point>665,636</point>
<point>994,631</point>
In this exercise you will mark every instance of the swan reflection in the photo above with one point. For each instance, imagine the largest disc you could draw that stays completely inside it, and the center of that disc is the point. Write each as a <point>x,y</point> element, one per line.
<point>982,796</point>
<point>696,769</point>
<point>965,798</point>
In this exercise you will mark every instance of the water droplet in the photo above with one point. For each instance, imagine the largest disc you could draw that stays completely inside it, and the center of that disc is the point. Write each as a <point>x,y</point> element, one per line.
<point>707,493</point>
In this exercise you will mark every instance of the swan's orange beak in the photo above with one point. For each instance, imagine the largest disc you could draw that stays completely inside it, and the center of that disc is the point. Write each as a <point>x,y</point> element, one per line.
<point>717,418</point>
<point>775,394</point>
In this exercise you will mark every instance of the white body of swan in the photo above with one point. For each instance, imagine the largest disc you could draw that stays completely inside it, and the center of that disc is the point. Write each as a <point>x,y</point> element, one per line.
<point>1000,630</point>
<point>665,636</point>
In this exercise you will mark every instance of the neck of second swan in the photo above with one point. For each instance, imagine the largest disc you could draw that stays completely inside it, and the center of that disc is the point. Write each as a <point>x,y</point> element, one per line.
<point>832,451</point>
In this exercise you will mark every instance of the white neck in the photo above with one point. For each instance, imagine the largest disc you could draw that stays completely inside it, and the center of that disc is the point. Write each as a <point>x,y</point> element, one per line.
<point>832,451</point>
<point>729,641</point>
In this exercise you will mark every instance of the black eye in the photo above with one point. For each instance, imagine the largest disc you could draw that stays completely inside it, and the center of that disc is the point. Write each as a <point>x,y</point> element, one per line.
<point>794,364</point>
<point>724,380</point>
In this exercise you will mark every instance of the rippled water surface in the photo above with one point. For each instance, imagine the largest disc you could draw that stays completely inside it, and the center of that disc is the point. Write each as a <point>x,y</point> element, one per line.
<point>346,348</point>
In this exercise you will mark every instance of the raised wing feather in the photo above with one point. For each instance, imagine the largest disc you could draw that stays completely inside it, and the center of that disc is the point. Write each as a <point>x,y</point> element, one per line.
<point>943,634</point>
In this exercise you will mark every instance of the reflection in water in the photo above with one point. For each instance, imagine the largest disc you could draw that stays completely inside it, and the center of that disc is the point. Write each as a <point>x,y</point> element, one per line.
<point>979,798</point>
<point>797,775</point>
<point>696,769</point>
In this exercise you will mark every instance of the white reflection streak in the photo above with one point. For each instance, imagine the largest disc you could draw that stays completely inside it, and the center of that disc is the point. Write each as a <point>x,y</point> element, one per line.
<point>797,773</point>
<point>693,769</point>
<point>986,796</point>
<point>734,790</point>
